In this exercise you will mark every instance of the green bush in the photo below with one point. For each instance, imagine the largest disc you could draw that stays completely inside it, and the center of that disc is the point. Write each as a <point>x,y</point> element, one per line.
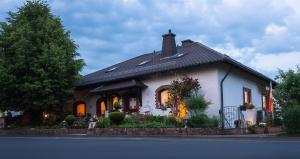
<point>171,121</point>
<point>153,124</point>
<point>70,119</point>
<point>251,129</point>
<point>197,103</point>
<point>291,120</point>
<point>131,120</point>
<point>102,123</point>
<point>152,118</point>
<point>212,122</point>
<point>116,117</point>
<point>201,120</point>
<point>197,121</point>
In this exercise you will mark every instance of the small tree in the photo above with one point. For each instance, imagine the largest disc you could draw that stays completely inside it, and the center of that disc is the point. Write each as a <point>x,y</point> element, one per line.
<point>39,65</point>
<point>287,92</point>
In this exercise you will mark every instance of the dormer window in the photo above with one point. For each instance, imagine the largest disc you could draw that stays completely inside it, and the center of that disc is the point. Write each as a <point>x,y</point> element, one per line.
<point>174,56</point>
<point>111,69</point>
<point>143,62</point>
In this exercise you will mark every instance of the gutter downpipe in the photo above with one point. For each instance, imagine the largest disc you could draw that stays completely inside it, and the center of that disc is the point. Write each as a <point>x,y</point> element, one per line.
<point>222,97</point>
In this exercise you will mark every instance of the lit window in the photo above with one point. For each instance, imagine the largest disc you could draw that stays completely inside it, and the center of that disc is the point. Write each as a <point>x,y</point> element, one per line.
<point>115,101</point>
<point>80,110</point>
<point>164,97</point>
<point>247,95</point>
<point>102,108</point>
<point>264,102</point>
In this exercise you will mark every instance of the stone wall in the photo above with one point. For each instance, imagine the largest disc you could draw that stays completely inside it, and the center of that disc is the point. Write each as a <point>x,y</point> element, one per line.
<point>116,132</point>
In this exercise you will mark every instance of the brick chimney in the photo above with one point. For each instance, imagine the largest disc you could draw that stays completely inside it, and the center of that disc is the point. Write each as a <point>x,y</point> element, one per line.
<point>168,45</point>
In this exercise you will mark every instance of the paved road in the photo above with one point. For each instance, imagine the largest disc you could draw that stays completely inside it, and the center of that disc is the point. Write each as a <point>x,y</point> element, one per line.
<point>144,148</point>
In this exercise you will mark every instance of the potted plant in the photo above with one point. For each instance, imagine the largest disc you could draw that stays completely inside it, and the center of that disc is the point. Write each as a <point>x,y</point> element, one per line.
<point>246,106</point>
<point>238,123</point>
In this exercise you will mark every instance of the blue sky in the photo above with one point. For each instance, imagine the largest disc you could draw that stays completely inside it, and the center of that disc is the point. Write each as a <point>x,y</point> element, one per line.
<point>264,34</point>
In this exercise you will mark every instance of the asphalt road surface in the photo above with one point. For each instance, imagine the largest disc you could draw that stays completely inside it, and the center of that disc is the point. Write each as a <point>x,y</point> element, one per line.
<point>144,148</point>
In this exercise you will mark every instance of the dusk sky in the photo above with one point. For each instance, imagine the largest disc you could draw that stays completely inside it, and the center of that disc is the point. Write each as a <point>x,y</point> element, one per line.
<point>264,34</point>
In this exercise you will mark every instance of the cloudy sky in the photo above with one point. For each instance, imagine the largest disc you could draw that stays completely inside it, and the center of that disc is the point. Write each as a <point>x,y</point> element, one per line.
<point>264,34</point>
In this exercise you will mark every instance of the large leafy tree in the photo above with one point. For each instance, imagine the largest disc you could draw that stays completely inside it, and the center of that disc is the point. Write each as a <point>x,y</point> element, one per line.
<point>287,92</point>
<point>39,64</point>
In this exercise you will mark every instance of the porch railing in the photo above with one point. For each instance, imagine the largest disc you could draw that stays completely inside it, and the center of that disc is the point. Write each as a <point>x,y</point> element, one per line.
<point>234,118</point>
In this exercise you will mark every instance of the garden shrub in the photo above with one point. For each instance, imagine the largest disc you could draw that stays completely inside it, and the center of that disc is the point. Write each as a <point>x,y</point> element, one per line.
<point>70,119</point>
<point>196,104</point>
<point>79,124</point>
<point>212,122</point>
<point>201,120</point>
<point>116,117</point>
<point>102,122</point>
<point>171,121</point>
<point>198,120</point>
<point>152,118</point>
<point>251,129</point>
<point>132,120</point>
<point>291,120</point>
<point>153,124</point>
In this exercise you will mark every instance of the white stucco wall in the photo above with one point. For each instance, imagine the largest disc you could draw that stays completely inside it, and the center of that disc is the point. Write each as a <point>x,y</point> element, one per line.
<point>233,91</point>
<point>207,77</point>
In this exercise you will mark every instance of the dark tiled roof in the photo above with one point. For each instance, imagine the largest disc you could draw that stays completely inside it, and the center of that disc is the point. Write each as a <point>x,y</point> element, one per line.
<point>193,54</point>
<point>118,86</point>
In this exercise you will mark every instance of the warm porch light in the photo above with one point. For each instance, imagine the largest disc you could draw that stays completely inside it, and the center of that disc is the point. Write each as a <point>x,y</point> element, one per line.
<point>46,115</point>
<point>182,111</point>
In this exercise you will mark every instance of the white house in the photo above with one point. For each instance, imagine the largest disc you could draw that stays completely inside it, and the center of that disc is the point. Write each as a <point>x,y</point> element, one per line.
<point>139,84</point>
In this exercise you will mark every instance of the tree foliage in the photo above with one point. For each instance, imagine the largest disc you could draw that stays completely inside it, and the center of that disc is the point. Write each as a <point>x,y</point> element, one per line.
<point>287,92</point>
<point>39,64</point>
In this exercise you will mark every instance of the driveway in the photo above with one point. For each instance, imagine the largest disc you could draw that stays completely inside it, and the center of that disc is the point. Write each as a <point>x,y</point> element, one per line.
<point>144,148</point>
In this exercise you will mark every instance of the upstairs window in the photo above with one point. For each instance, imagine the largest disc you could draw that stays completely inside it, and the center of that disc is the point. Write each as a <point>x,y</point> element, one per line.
<point>247,96</point>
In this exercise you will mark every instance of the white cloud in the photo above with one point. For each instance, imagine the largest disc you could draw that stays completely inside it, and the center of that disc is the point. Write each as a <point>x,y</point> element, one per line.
<point>273,62</point>
<point>274,29</point>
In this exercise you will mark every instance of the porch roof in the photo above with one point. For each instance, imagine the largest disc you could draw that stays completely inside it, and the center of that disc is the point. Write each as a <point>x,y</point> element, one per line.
<point>119,86</point>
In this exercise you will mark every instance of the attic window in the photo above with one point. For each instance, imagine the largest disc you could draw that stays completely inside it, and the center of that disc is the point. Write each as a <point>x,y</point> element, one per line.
<point>179,55</point>
<point>174,56</point>
<point>111,69</point>
<point>143,62</point>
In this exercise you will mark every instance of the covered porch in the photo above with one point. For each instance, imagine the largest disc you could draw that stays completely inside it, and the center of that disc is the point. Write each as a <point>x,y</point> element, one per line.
<point>127,95</point>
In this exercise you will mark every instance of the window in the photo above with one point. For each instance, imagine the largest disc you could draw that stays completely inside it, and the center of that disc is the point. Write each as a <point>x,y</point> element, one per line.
<point>111,69</point>
<point>264,102</point>
<point>132,103</point>
<point>80,109</point>
<point>102,108</point>
<point>143,62</point>
<point>114,101</point>
<point>247,95</point>
<point>164,97</point>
